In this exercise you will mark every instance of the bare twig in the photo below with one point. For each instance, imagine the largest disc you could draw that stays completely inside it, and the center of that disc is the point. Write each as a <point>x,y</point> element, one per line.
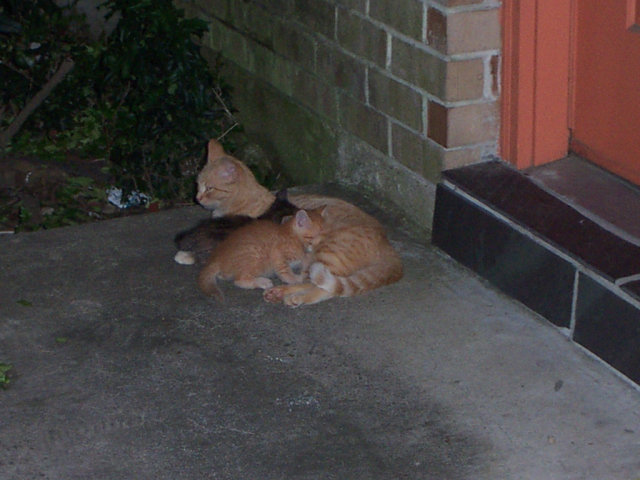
<point>65,67</point>
<point>18,71</point>
<point>218,95</point>
<point>224,134</point>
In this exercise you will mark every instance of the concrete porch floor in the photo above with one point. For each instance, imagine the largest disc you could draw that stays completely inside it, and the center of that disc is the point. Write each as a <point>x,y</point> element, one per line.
<point>123,370</point>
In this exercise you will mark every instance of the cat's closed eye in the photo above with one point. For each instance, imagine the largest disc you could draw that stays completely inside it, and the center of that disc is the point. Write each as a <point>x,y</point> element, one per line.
<point>211,188</point>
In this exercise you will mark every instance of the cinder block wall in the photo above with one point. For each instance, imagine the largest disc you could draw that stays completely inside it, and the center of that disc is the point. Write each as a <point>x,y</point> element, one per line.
<point>382,94</point>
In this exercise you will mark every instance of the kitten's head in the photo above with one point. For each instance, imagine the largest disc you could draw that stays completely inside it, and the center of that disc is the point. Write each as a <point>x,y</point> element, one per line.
<point>307,225</point>
<point>223,181</point>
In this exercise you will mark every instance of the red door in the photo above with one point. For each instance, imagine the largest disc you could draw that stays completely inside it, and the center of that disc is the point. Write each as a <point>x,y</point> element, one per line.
<point>605,124</point>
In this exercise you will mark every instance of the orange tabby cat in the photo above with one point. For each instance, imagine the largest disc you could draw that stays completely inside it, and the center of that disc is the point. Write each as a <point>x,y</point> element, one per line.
<point>352,256</point>
<point>261,248</point>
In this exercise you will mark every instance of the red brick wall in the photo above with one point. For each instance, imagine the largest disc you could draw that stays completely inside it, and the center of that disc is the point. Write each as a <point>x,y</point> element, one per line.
<point>415,79</point>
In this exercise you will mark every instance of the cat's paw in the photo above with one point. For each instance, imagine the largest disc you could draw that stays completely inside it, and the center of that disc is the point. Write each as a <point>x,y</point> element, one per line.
<point>263,283</point>
<point>257,282</point>
<point>274,294</point>
<point>185,258</point>
<point>294,300</point>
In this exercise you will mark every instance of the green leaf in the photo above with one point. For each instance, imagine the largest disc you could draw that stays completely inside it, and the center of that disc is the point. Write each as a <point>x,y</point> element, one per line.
<point>4,379</point>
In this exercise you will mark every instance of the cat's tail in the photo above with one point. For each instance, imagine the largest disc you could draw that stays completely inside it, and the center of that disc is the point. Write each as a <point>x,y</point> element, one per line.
<point>367,278</point>
<point>207,281</point>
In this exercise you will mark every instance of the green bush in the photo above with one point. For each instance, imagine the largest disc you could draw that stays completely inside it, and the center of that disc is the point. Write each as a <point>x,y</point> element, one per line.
<point>143,97</point>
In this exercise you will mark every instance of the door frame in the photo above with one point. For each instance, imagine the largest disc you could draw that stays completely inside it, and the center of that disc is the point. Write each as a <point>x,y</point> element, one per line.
<point>537,80</point>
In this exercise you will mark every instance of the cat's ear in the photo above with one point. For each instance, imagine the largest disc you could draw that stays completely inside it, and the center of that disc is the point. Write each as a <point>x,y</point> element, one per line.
<point>302,219</point>
<point>324,211</point>
<point>214,150</point>
<point>227,170</point>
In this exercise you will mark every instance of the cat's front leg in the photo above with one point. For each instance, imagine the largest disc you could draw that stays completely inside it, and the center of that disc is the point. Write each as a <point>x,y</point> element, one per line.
<point>256,282</point>
<point>307,260</point>
<point>289,277</point>
<point>306,297</point>
<point>284,273</point>
<point>276,294</point>
<point>296,295</point>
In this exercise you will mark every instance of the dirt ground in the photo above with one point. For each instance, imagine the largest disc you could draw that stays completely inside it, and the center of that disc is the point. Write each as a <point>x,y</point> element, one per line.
<point>40,194</point>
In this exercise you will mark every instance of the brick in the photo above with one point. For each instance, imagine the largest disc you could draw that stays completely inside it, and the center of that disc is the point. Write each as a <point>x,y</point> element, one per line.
<point>213,38</point>
<point>474,31</point>
<point>361,37</point>
<point>494,65</point>
<point>341,70</point>
<point>418,67</point>
<point>271,67</point>
<point>460,157</point>
<point>211,56</point>
<point>462,126</point>
<point>216,8</point>
<point>317,15</point>
<point>416,152</point>
<point>233,46</point>
<point>294,44</point>
<point>436,29</point>
<point>281,8</point>
<point>357,5</point>
<point>259,24</point>
<point>364,122</point>
<point>463,32</point>
<point>437,123</point>
<point>189,9</point>
<point>259,60</point>
<point>281,74</point>
<point>237,15</point>
<point>315,94</point>
<point>405,16</point>
<point>464,80</point>
<point>395,99</point>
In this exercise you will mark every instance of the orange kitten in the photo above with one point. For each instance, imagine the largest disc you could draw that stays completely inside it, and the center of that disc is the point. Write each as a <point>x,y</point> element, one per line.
<point>262,248</point>
<point>352,256</point>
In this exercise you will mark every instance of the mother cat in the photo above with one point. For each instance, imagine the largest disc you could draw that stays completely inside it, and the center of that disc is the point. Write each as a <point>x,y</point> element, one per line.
<point>352,255</point>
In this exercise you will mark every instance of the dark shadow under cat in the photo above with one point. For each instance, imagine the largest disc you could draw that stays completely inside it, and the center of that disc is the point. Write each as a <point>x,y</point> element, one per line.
<point>200,240</point>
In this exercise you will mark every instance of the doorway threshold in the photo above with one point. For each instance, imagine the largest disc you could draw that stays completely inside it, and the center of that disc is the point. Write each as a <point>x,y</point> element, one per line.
<point>605,198</point>
<point>534,236</point>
